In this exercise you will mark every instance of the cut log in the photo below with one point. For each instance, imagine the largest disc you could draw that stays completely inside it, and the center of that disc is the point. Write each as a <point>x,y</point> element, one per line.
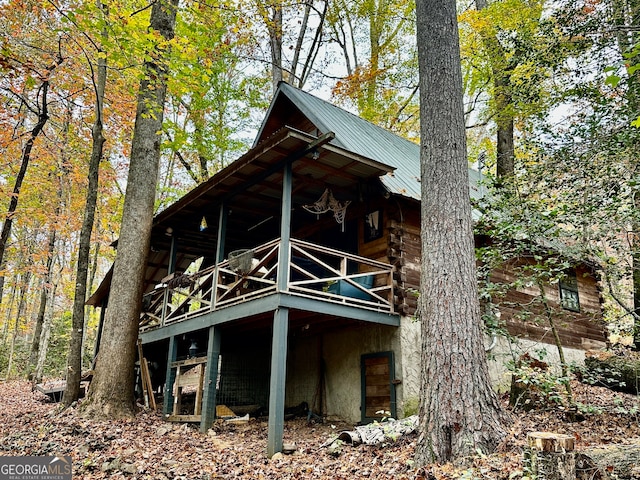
<point>550,456</point>
<point>611,461</point>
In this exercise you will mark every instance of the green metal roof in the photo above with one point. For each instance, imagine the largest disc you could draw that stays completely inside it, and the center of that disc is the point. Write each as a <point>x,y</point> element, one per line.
<point>364,138</point>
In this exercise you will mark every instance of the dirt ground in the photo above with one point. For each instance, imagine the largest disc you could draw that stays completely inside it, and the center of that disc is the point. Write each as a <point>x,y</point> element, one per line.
<point>149,448</point>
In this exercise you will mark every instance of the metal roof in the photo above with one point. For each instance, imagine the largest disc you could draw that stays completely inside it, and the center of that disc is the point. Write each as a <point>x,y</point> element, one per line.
<point>364,138</point>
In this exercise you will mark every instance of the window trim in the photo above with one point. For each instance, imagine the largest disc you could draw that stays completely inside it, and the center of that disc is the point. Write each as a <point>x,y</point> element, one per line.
<point>567,286</point>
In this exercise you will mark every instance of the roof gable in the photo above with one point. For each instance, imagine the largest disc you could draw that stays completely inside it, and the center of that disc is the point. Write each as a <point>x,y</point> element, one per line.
<point>291,106</point>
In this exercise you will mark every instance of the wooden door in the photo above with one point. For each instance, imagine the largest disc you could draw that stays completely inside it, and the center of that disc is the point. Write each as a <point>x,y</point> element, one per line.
<point>378,389</point>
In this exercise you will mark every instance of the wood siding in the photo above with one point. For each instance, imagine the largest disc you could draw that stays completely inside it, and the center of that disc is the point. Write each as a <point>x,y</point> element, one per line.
<point>582,329</point>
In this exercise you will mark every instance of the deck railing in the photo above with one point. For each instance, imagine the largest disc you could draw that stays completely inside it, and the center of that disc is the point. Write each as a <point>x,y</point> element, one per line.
<point>314,272</point>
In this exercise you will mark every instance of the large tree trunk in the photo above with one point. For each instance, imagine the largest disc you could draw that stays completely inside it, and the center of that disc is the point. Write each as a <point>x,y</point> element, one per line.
<point>74,358</point>
<point>111,392</point>
<point>272,15</point>
<point>459,412</point>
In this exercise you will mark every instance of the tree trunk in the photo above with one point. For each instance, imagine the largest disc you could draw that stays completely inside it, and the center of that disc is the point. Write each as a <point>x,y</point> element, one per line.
<point>74,358</point>
<point>505,150</point>
<point>459,412</point>
<point>43,117</point>
<point>46,334</point>
<point>550,456</point>
<point>12,348</point>
<point>44,294</point>
<point>111,392</point>
<point>272,14</point>
<point>604,462</point>
<point>22,302</point>
<point>5,329</point>
<point>299,80</point>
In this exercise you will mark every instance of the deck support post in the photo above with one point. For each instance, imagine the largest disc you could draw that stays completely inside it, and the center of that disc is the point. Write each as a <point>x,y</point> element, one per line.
<point>170,378</point>
<point>278,377</point>
<point>210,380</point>
<point>285,230</point>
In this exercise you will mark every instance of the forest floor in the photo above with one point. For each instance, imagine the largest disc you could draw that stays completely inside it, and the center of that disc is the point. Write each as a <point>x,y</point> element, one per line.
<point>149,448</point>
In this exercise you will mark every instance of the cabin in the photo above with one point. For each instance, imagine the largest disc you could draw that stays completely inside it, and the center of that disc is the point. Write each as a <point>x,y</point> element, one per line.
<point>289,278</point>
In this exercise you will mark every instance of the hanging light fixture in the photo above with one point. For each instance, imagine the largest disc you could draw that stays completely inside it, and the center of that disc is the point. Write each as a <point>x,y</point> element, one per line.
<point>193,348</point>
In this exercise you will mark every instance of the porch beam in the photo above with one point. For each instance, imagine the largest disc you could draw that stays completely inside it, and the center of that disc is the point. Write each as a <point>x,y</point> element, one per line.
<point>269,304</point>
<point>209,319</point>
<point>209,398</point>
<point>351,312</point>
<point>167,403</point>
<point>277,384</point>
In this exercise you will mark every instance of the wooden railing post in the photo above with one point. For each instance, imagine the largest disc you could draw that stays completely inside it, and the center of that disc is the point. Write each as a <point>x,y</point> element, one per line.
<point>165,302</point>
<point>222,230</point>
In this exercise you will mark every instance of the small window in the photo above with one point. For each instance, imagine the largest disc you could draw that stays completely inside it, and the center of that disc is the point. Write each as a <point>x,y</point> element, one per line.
<point>373,226</point>
<point>569,292</point>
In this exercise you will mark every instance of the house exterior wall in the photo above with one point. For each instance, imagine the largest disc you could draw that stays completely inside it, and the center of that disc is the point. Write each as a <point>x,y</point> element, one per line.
<point>341,351</point>
<point>578,330</point>
<point>303,371</point>
<point>505,350</point>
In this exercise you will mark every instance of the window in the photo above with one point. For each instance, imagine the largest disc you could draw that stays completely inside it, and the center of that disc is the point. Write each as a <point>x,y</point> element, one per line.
<point>373,226</point>
<point>569,291</point>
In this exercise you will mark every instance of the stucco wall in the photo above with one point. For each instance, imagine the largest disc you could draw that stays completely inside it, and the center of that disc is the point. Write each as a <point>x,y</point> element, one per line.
<point>303,370</point>
<point>503,352</point>
<point>409,359</point>
<point>506,351</point>
<point>342,351</point>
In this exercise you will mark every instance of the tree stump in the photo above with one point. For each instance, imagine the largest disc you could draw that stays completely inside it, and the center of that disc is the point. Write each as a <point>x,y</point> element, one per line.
<point>550,456</point>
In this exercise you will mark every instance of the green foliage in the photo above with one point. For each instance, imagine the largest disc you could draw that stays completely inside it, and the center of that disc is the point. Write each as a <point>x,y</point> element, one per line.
<point>55,364</point>
<point>539,386</point>
<point>411,406</point>
<point>601,376</point>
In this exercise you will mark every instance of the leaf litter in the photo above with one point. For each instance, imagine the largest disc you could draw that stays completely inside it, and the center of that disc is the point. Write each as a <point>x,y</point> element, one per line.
<point>147,447</point>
